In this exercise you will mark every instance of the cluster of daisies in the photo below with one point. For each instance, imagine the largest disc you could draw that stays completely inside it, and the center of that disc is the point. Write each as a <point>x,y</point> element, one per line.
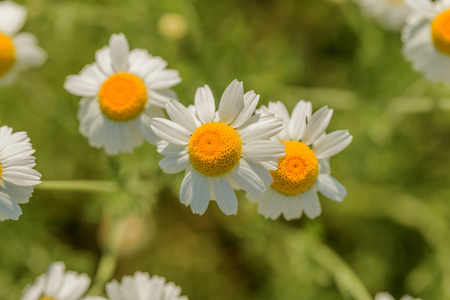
<point>425,32</point>
<point>59,284</point>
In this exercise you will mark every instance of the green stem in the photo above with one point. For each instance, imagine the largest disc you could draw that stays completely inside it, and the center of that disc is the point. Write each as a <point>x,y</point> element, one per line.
<point>346,279</point>
<point>79,185</point>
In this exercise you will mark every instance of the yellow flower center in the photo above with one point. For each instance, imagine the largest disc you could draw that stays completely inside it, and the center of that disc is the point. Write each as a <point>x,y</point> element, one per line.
<point>215,149</point>
<point>297,170</point>
<point>440,31</point>
<point>122,96</point>
<point>7,54</point>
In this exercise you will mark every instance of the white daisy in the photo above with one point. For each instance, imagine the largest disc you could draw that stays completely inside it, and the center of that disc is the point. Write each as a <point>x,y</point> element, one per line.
<point>387,296</point>
<point>57,284</point>
<point>122,91</point>
<point>391,14</point>
<point>426,38</point>
<point>141,286</point>
<point>17,177</point>
<point>219,151</point>
<point>304,169</point>
<point>18,51</point>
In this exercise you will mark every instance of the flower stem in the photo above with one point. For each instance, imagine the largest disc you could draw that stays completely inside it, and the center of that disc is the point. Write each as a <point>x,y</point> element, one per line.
<point>78,185</point>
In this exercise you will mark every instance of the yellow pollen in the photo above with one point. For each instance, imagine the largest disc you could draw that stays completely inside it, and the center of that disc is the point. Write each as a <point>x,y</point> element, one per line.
<point>297,170</point>
<point>7,54</point>
<point>440,32</point>
<point>215,149</point>
<point>122,96</point>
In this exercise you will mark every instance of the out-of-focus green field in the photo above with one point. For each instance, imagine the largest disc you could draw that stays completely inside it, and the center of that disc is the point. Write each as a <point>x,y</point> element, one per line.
<point>392,230</point>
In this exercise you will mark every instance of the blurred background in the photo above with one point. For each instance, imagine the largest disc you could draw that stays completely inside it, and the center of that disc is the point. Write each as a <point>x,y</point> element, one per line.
<point>392,231</point>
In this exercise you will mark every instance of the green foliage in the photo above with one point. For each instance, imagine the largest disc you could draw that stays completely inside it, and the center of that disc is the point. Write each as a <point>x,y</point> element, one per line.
<point>392,230</point>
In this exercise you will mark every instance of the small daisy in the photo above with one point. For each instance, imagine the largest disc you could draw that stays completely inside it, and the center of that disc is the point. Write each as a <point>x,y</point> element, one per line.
<point>122,91</point>
<point>387,296</point>
<point>426,39</point>
<point>391,14</point>
<point>304,169</point>
<point>141,286</point>
<point>219,151</point>
<point>57,284</point>
<point>17,177</point>
<point>18,51</point>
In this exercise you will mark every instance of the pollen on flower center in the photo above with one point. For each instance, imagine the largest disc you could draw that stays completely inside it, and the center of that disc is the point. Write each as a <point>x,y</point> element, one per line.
<point>440,31</point>
<point>297,170</point>
<point>122,96</point>
<point>7,54</point>
<point>214,149</point>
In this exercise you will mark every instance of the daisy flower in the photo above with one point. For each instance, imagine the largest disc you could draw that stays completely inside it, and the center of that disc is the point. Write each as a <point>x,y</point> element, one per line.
<point>304,169</point>
<point>387,296</point>
<point>18,51</point>
<point>17,176</point>
<point>218,151</point>
<point>391,14</point>
<point>122,91</point>
<point>57,284</point>
<point>426,39</point>
<point>141,286</point>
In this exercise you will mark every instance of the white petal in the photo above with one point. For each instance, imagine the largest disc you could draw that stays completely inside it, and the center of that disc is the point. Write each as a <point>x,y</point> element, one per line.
<point>261,171</point>
<point>300,115</point>
<point>247,179</point>
<point>310,203</point>
<point>81,86</point>
<point>103,59</point>
<point>317,125</point>
<point>9,207</point>
<point>181,115</point>
<point>161,97</point>
<point>273,208</point>
<point>250,102</point>
<point>332,143</point>
<point>231,102</point>
<point>172,150</point>
<point>263,150</point>
<point>12,17</point>
<point>204,104</point>
<point>28,53</point>
<point>170,131</point>
<point>292,208</point>
<point>119,48</point>
<point>55,274</point>
<point>200,193</point>
<point>172,165</point>
<point>163,79</point>
<point>186,189</point>
<point>262,130</point>
<point>331,188</point>
<point>225,196</point>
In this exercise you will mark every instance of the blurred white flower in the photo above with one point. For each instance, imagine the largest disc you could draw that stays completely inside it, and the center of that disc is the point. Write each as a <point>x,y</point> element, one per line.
<point>141,286</point>
<point>391,14</point>
<point>426,39</point>
<point>122,91</point>
<point>219,151</point>
<point>304,169</point>
<point>17,176</point>
<point>18,51</point>
<point>57,284</point>
<point>387,296</point>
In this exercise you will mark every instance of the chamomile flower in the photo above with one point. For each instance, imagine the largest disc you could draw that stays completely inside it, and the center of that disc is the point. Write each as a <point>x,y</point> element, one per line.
<point>18,51</point>
<point>122,91</point>
<point>17,176</point>
<point>57,284</point>
<point>304,169</point>
<point>426,39</point>
<point>219,151</point>
<point>391,14</point>
<point>387,296</point>
<point>141,286</point>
